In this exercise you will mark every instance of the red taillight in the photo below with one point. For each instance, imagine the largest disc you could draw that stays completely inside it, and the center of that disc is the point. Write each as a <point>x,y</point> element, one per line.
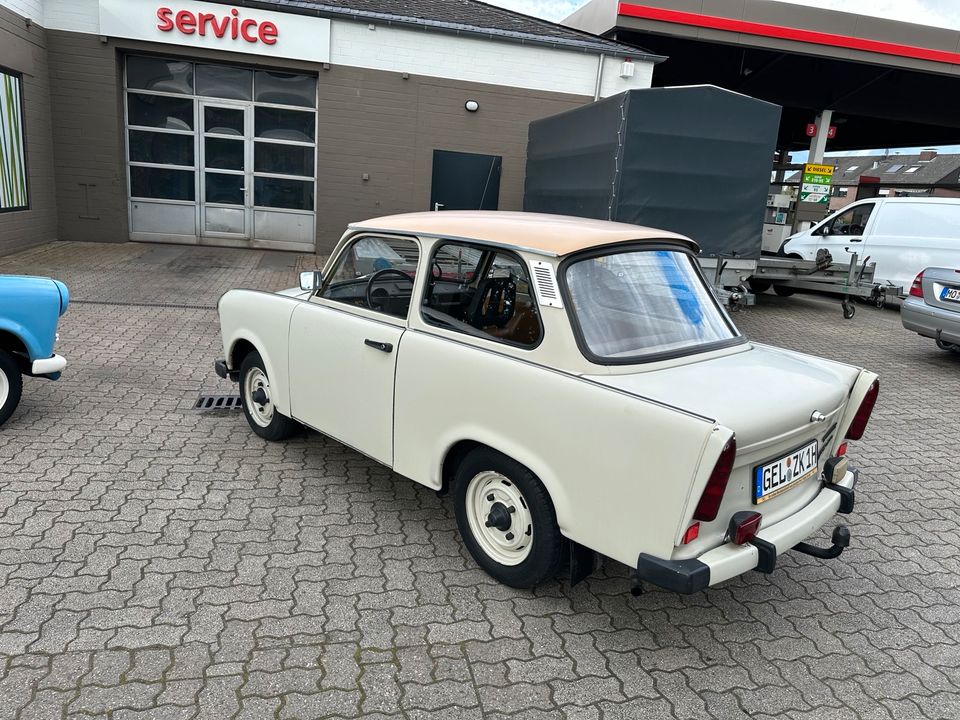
<point>859,424</point>
<point>744,527</point>
<point>709,504</point>
<point>692,533</point>
<point>916,290</point>
<point>842,450</point>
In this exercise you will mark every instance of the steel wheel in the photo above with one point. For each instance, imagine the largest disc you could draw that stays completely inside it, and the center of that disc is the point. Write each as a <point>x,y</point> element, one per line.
<point>499,518</point>
<point>256,388</point>
<point>11,385</point>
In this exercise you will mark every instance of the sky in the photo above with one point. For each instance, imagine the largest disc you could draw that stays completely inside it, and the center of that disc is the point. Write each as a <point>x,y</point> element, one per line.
<point>938,13</point>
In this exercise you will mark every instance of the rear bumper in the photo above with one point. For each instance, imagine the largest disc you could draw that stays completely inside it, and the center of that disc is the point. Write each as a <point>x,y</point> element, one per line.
<point>48,366</point>
<point>931,321</point>
<point>728,561</point>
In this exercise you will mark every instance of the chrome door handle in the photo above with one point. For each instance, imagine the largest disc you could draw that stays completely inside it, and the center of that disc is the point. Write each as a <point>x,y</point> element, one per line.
<point>377,345</point>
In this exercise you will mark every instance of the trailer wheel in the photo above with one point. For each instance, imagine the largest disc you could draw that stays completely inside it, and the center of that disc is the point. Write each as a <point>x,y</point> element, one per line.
<point>849,310</point>
<point>758,287</point>
<point>783,290</point>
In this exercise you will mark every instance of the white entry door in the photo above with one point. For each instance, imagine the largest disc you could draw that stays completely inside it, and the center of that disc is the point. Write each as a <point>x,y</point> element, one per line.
<point>226,167</point>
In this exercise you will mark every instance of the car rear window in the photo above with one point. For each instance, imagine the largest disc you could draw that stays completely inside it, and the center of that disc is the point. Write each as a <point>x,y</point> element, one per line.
<point>630,306</point>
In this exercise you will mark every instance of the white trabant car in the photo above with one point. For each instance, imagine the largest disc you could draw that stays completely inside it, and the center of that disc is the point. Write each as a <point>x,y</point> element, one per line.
<point>573,383</point>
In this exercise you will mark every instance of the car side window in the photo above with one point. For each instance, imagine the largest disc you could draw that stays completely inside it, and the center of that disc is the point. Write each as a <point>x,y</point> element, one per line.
<point>482,292</point>
<point>375,273</point>
<point>851,222</point>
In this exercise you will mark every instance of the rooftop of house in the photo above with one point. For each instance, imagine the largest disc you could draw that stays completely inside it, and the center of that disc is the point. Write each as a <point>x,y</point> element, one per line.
<point>926,168</point>
<point>465,17</point>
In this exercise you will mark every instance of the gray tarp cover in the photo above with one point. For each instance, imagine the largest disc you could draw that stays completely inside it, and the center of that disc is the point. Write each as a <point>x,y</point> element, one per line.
<point>694,160</point>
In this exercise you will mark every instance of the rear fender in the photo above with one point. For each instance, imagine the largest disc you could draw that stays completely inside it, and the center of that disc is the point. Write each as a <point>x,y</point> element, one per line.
<point>708,459</point>
<point>857,393</point>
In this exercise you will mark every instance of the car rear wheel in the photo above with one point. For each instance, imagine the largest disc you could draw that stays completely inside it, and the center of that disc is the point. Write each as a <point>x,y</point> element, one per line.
<point>257,399</point>
<point>507,520</point>
<point>11,386</point>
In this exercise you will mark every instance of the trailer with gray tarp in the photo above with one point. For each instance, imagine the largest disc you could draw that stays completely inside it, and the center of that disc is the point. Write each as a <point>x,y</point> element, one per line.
<point>694,160</point>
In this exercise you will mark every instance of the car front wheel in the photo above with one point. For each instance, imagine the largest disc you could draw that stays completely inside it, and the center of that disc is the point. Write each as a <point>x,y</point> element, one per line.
<point>507,520</point>
<point>256,395</point>
<point>11,386</point>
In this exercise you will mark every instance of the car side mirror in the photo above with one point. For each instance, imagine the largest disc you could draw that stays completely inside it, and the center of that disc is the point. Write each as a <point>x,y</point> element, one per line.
<point>311,280</point>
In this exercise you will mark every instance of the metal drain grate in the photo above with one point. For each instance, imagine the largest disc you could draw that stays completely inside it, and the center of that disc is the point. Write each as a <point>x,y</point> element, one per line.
<point>218,402</point>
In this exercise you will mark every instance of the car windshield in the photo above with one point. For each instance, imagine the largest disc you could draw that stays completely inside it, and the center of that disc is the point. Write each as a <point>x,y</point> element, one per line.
<point>640,303</point>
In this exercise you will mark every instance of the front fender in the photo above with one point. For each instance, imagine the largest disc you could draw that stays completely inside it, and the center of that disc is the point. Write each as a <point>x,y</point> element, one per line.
<point>263,320</point>
<point>29,309</point>
<point>30,341</point>
<point>279,391</point>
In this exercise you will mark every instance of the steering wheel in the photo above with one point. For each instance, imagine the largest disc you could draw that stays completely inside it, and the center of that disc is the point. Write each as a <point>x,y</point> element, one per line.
<point>494,303</point>
<point>377,276</point>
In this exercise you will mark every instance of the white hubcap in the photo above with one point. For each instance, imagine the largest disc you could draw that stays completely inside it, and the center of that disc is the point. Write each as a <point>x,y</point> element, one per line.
<point>499,518</point>
<point>4,388</point>
<point>256,383</point>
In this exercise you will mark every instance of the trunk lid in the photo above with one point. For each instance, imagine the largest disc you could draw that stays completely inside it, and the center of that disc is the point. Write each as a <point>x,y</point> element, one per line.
<point>937,282</point>
<point>767,396</point>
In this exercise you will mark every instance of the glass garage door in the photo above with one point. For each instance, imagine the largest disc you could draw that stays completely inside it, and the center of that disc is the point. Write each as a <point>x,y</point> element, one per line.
<point>220,155</point>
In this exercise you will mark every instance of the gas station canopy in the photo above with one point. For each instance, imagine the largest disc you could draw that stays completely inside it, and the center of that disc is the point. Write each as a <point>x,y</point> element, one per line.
<point>889,84</point>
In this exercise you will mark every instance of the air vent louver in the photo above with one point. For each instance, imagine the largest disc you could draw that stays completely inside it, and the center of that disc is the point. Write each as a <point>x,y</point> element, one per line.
<point>545,284</point>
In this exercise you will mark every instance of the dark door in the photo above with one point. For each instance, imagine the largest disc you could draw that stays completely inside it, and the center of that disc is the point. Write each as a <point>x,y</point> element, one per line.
<point>465,181</point>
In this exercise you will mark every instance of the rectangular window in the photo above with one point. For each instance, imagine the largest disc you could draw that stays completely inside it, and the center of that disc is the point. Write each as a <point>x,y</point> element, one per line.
<point>160,111</point>
<point>630,306</point>
<point>223,81</point>
<point>283,159</point>
<point>277,88</point>
<point>159,75</point>
<point>283,194</point>
<point>162,184</point>
<point>289,125</point>
<point>13,160</point>
<point>484,293</point>
<point>161,148</point>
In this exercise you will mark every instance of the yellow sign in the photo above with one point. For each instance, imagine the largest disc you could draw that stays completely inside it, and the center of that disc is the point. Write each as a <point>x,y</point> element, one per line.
<point>815,187</point>
<point>818,169</point>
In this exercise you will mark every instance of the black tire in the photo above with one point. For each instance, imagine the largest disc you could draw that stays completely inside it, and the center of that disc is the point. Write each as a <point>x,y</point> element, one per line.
<point>548,549</point>
<point>279,427</point>
<point>12,380</point>
<point>783,290</point>
<point>758,287</point>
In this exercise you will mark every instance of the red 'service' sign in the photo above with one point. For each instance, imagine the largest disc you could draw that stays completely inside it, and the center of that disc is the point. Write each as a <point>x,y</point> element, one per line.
<point>230,26</point>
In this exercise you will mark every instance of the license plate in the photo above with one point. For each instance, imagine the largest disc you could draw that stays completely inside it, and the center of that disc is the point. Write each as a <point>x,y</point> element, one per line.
<point>950,294</point>
<point>775,477</point>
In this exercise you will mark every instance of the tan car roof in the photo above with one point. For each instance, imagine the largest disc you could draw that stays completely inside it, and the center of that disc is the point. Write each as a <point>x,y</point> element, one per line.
<point>553,235</point>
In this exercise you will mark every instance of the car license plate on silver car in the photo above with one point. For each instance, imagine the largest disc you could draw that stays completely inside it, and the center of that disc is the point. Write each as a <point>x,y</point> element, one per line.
<point>950,294</point>
<point>775,477</point>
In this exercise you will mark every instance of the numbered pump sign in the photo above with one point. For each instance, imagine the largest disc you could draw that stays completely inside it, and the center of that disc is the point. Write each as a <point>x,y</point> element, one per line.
<point>816,183</point>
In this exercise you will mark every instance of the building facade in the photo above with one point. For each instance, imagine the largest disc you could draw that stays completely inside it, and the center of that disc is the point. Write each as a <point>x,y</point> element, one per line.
<point>275,123</point>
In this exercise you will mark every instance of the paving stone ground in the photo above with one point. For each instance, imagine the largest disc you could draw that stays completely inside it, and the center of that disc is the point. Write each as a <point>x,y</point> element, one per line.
<point>157,562</point>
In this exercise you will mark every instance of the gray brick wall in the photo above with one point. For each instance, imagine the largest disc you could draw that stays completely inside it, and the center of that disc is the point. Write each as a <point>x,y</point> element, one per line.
<point>88,138</point>
<point>23,49</point>
<point>370,121</point>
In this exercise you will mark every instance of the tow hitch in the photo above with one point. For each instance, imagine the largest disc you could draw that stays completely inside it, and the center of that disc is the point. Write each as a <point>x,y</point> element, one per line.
<point>841,541</point>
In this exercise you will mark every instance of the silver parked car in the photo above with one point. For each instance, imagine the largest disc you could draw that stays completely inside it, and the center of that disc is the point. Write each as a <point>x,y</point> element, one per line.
<point>933,307</point>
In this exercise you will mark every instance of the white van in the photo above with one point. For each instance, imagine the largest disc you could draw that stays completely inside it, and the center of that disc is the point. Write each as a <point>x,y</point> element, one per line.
<point>901,235</point>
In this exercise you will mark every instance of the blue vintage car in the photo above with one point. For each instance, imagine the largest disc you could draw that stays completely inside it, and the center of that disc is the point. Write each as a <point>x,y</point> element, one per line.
<point>30,308</point>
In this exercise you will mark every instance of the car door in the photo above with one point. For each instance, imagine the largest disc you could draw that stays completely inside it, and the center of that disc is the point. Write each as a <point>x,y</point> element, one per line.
<point>844,234</point>
<point>344,344</point>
